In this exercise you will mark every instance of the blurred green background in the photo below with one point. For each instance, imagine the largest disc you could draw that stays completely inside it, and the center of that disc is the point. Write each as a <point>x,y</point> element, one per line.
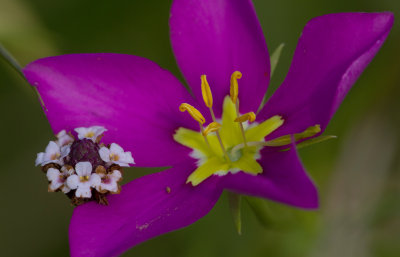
<point>358,174</point>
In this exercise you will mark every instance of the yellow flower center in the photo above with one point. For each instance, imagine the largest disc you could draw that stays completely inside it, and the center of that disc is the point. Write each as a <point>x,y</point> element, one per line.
<point>89,134</point>
<point>84,178</point>
<point>231,144</point>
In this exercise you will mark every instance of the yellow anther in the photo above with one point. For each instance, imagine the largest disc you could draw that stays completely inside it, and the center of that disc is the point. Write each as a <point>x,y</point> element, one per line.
<point>212,127</point>
<point>206,91</point>
<point>250,116</point>
<point>196,115</point>
<point>234,92</point>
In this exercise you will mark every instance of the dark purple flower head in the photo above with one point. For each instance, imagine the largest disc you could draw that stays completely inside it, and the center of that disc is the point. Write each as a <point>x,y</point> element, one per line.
<point>138,102</point>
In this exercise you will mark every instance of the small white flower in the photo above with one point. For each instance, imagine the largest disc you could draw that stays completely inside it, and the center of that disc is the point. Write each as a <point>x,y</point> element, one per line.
<point>58,179</point>
<point>52,154</point>
<point>90,133</point>
<point>116,155</point>
<point>64,138</point>
<point>84,180</point>
<point>109,181</point>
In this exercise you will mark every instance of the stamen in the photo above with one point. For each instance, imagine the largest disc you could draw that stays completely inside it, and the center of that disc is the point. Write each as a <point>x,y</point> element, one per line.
<point>212,127</point>
<point>196,115</point>
<point>250,116</point>
<point>206,91</point>
<point>208,100</point>
<point>234,92</point>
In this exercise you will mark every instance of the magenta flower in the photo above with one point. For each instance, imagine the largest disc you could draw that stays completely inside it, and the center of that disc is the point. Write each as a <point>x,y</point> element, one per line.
<point>138,102</point>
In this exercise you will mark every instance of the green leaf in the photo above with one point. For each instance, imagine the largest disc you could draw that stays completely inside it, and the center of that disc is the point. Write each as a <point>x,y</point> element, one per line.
<point>275,57</point>
<point>234,206</point>
<point>261,209</point>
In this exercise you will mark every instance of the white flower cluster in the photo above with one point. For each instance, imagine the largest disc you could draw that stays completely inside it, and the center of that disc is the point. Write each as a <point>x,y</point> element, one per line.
<point>70,173</point>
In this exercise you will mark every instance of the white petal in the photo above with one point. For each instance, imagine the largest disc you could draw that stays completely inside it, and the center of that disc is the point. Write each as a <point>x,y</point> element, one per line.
<point>65,189</point>
<point>81,132</point>
<point>52,148</point>
<point>64,138</point>
<point>55,184</point>
<point>52,153</point>
<point>39,159</point>
<point>98,130</point>
<point>94,130</point>
<point>122,164</point>
<point>83,191</point>
<point>94,180</point>
<point>53,174</point>
<point>67,172</point>
<point>112,186</point>
<point>104,154</point>
<point>65,151</point>
<point>116,175</point>
<point>116,149</point>
<point>127,158</point>
<point>57,161</point>
<point>73,181</point>
<point>83,168</point>
<point>61,133</point>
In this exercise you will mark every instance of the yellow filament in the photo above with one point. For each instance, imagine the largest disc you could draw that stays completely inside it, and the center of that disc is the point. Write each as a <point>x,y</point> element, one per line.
<point>204,136</point>
<point>250,116</point>
<point>196,115</point>
<point>206,91</point>
<point>212,127</point>
<point>234,91</point>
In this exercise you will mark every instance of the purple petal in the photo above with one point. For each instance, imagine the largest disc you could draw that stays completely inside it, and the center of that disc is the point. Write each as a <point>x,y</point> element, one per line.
<point>136,100</point>
<point>147,207</point>
<point>331,54</point>
<point>216,38</point>
<point>283,179</point>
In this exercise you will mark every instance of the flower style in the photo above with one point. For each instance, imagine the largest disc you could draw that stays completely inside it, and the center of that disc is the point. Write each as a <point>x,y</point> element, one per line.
<point>213,38</point>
